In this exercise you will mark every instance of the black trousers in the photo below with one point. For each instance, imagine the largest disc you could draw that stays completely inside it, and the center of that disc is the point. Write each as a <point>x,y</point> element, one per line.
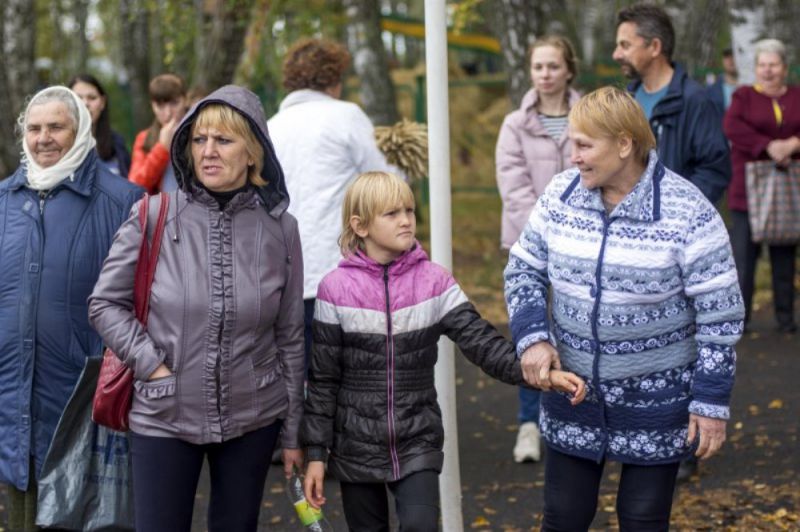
<point>166,472</point>
<point>782,260</point>
<point>366,504</point>
<point>644,497</point>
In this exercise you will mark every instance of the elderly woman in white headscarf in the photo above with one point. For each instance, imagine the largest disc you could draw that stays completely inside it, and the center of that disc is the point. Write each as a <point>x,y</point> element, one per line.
<point>59,212</point>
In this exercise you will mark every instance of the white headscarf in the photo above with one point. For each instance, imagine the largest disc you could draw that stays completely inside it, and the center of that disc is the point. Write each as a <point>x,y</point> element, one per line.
<point>46,178</point>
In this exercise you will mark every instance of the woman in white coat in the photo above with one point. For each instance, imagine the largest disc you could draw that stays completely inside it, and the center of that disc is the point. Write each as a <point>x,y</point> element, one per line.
<point>323,144</point>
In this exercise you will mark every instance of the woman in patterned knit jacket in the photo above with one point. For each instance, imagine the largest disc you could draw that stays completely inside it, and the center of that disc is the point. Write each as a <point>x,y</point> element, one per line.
<point>645,307</point>
<point>371,398</point>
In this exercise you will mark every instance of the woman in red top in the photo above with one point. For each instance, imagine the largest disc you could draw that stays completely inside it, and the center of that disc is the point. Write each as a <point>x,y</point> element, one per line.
<point>150,166</point>
<point>763,123</point>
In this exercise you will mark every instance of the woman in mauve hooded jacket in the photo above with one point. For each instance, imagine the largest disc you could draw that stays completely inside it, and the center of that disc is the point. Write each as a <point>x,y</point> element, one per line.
<point>219,370</point>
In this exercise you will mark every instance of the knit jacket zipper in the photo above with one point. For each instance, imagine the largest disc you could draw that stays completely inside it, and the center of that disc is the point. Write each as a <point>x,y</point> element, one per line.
<point>597,291</point>
<point>390,378</point>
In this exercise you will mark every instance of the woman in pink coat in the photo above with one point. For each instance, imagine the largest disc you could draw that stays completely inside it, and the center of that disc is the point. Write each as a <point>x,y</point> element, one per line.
<point>531,149</point>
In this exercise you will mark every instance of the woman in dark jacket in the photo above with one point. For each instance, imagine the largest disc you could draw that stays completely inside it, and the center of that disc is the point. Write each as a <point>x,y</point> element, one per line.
<point>110,144</point>
<point>58,215</point>
<point>219,370</point>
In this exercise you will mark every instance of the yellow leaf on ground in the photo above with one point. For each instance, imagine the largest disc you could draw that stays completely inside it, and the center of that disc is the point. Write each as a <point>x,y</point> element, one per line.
<point>753,409</point>
<point>775,403</point>
<point>480,521</point>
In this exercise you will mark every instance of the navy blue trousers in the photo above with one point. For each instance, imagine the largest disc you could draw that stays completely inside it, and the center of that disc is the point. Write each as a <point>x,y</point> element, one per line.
<point>166,472</point>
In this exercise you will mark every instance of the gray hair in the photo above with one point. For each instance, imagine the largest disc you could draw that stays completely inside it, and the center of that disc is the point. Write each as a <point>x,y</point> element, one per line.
<point>52,94</point>
<point>773,46</point>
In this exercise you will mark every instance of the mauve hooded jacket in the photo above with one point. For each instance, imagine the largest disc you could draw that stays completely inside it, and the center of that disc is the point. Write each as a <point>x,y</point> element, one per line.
<point>226,308</point>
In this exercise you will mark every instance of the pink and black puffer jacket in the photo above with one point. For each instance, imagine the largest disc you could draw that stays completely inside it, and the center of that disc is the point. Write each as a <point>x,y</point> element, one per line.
<point>371,408</point>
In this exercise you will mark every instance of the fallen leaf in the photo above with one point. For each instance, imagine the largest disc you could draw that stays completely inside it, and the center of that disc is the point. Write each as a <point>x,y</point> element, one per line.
<point>480,521</point>
<point>775,403</point>
<point>754,410</point>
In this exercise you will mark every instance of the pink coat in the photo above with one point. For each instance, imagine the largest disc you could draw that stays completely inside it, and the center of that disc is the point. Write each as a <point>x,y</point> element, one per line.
<point>526,160</point>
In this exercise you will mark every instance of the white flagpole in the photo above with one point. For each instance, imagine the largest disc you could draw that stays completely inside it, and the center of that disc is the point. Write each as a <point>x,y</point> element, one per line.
<point>441,245</point>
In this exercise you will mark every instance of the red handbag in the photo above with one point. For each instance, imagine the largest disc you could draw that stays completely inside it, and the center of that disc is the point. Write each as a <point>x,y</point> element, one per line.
<point>114,393</point>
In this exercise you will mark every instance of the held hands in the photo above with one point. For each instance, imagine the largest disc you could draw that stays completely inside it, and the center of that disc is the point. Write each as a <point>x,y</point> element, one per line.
<point>312,484</point>
<point>711,432</point>
<point>568,382</point>
<point>536,363</point>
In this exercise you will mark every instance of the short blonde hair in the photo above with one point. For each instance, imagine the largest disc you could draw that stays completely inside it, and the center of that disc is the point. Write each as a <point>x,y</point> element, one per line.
<point>613,113</point>
<point>226,119</point>
<point>367,197</point>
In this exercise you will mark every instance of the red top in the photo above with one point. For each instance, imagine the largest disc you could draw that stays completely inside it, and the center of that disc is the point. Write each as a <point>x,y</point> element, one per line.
<point>147,168</point>
<point>750,125</point>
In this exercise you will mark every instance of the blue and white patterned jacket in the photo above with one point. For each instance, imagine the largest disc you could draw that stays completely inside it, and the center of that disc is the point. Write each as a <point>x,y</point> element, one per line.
<point>645,307</point>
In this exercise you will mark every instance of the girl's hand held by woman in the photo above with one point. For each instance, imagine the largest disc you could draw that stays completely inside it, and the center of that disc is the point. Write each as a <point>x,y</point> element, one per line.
<point>568,382</point>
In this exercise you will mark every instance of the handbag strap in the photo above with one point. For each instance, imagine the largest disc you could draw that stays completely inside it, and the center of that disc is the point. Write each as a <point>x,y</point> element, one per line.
<point>148,258</point>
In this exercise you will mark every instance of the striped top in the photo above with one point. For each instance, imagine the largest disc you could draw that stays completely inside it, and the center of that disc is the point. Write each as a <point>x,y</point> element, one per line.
<point>554,125</point>
<point>645,306</point>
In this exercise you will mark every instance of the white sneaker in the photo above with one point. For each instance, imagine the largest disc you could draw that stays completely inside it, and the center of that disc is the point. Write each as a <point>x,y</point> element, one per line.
<point>528,446</point>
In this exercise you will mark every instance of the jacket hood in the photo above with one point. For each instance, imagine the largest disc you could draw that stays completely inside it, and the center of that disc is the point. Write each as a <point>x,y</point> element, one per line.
<point>245,102</point>
<point>404,262</point>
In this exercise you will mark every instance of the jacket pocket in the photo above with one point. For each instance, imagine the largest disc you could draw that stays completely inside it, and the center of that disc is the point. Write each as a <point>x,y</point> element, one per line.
<point>265,372</point>
<point>156,389</point>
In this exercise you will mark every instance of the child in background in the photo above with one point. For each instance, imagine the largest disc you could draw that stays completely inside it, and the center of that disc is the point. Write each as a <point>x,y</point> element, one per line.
<point>151,168</point>
<point>371,409</point>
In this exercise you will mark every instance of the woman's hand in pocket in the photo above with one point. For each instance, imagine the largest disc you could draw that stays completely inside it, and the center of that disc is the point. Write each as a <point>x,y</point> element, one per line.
<point>161,371</point>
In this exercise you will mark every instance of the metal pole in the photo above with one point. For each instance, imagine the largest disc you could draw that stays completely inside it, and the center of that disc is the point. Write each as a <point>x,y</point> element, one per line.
<point>441,246</point>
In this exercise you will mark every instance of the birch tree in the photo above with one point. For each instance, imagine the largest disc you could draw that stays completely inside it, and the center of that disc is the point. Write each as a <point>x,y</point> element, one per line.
<point>515,25</point>
<point>17,74</point>
<point>370,62</point>
<point>747,27</point>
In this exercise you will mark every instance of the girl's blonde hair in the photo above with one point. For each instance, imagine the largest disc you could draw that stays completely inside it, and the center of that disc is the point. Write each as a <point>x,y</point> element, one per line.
<point>613,113</point>
<point>224,118</point>
<point>367,197</point>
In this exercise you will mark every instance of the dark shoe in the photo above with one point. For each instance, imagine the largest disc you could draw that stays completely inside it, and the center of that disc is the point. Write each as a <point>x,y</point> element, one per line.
<point>787,328</point>
<point>687,469</point>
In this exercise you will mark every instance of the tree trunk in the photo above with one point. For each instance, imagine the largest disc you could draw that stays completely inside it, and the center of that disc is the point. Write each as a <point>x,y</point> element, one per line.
<point>134,22</point>
<point>747,27</point>
<point>224,35</point>
<point>81,17</point>
<point>17,74</point>
<point>370,62</point>
<point>516,28</point>
<point>701,21</point>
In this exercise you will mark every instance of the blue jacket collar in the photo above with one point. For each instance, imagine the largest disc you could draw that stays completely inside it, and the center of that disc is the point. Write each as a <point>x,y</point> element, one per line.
<point>643,203</point>
<point>672,100</point>
<point>81,182</point>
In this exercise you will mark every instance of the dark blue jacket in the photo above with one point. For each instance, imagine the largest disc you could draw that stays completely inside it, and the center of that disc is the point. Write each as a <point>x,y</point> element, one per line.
<point>51,252</point>
<point>689,135</point>
<point>716,93</point>
<point>122,154</point>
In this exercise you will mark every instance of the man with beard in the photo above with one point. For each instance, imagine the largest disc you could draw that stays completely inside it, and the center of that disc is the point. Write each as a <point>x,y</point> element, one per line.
<point>688,131</point>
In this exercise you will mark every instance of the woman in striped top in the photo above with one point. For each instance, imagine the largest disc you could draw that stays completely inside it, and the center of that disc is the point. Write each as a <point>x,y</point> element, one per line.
<point>531,149</point>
